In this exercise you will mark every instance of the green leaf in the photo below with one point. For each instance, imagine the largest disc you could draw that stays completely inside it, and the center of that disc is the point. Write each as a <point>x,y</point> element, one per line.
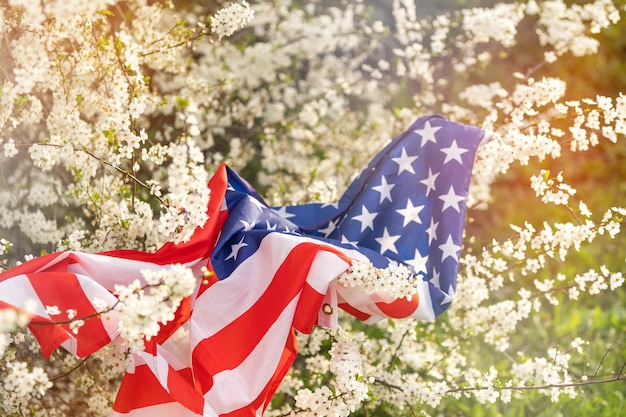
<point>109,134</point>
<point>182,103</point>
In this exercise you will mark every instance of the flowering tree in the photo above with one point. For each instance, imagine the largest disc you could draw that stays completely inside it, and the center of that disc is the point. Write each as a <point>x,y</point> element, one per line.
<point>115,113</point>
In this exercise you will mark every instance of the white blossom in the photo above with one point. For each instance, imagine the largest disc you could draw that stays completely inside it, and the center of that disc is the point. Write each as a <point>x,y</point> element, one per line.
<point>227,20</point>
<point>147,304</point>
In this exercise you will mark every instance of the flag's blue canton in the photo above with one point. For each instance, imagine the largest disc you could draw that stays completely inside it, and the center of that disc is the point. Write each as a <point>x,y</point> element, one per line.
<point>249,220</point>
<point>408,205</point>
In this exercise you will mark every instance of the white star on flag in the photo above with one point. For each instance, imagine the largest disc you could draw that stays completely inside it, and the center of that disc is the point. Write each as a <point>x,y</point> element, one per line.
<point>384,189</point>
<point>418,262</point>
<point>387,242</point>
<point>404,162</point>
<point>294,231</point>
<point>450,250</point>
<point>432,230</point>
<point>283,213</point>
<point>366,218</point>
<point>332,225</point>
<point>453,153</point>
<point>449,296</point>
<point>435,278</point>
<point>430,181</point>
<point>410,213</point>
<point>257,203</point>
<point>236,248</point>
<point>427,133</point>
<point>345,241</point>
<point>247,226</point>
<point>451,200</point>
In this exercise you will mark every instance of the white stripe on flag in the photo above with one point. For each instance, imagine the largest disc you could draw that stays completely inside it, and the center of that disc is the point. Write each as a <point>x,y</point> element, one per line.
<point>238,291</point>
<point>325,268</point>
<point>109,271</point>
<point>93,290</point>
<point>228,392</point>
<point>176,349</point>
<point>19,292</point>
<point>158,365</point>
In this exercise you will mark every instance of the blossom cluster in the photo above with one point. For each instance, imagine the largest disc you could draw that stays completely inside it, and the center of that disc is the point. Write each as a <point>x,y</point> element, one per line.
<point>10,321</point>
<point>551,191</point>
<point>93,124</point>
<point>4,246</point>
<point>396,280</point>
<point>350,384</point>
<point>227,20</point>
<point>148,304</point>
<point>21,384</point>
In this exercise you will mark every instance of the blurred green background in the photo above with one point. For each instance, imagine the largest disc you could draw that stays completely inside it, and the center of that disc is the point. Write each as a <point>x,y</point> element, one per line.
<point>599,175</point>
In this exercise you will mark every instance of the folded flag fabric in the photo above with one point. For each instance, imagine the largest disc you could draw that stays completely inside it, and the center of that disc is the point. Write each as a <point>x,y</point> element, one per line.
<point>274,271</point>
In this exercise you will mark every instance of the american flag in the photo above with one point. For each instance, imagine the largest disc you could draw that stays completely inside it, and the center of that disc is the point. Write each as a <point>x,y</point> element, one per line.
<point>274,270</point>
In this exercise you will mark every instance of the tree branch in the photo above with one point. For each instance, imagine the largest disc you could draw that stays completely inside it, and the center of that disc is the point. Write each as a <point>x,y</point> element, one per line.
<point>63,375</point>
<point>617,378</point>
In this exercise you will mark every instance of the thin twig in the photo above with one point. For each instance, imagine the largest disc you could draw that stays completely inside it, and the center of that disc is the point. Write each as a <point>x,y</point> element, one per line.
<point>87,317</point>
<point>547,386</point>
<point>108,163</point>
<point>127,173</point>
<point>601,362</point>
<point>619,377</point>
<point>621,371</point>
<point>176,45</point>
<point>410,408</point>
<point>387,384</point>
<point>70,371</point>
<point>395,353</point>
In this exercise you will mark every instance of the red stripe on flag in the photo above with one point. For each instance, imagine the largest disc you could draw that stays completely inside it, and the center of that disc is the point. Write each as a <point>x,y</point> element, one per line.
<point>309,304</point>
<point>306,315</point>
<point>49,337</point>
<point>63,290</point>
<point>262,401</point>
<point>182,314</point>
<point>140,389</point>
<point>400,307</point>
<point>231,345</point>
<point>180,384</point>
<point>353,311</point>
<point>287,358</point>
